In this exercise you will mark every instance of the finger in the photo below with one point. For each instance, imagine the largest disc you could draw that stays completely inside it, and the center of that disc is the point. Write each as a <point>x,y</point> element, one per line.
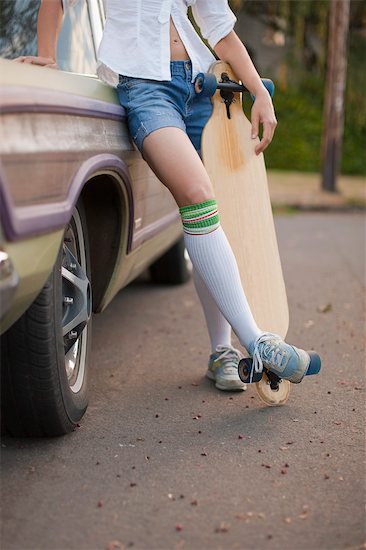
<point>255,125</point>
<point>38,60</point>
<point>267,137</point>
<point>262,146</point>
<point>265,141</point>
<point>268,132</point>
<point>44,61</point>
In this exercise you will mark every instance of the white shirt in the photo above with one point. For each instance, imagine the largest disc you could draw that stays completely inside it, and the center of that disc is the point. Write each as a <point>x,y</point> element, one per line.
<point>136,37</point>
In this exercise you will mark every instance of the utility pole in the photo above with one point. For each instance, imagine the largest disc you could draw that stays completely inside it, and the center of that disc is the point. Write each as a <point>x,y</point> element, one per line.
<point>335,93</point>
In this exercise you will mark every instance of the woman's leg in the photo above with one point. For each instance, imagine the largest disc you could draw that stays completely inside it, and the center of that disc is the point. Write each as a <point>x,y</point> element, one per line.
<point>158,118</point>
<point>219,329</point>
<point>224,359</point>
<point>173,158</point>
<point>171,155</point>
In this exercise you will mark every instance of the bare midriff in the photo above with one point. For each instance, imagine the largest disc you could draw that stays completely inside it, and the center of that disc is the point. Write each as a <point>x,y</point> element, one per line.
<point>177,49</point>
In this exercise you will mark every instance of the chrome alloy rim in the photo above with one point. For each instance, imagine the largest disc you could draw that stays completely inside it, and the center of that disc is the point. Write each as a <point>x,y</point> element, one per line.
<point>76,296</point>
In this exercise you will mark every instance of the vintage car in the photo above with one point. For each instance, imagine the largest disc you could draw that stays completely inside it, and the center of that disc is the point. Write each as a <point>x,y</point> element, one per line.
<point>82,215</point>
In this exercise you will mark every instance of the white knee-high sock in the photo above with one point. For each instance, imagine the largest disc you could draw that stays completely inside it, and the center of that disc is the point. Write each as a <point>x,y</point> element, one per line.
<point>219,329</point>
<point>214,260</point>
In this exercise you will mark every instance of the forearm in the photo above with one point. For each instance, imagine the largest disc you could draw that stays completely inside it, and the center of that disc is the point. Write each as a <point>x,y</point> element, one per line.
<point>48,27</point>
<point>232,50</point>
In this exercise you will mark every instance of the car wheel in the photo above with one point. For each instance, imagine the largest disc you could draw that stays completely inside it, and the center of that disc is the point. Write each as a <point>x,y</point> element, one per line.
<point>45,353</point>
<point>174,267</point>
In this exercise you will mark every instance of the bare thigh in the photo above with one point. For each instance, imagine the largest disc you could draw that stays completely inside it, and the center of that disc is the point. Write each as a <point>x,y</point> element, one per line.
<point>171,155</point>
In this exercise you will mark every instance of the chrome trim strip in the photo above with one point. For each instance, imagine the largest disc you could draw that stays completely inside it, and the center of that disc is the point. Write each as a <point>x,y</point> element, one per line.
<point>96,24</point>
<point>20,99</point>
<point>9,281</point>
<point>154,228</point>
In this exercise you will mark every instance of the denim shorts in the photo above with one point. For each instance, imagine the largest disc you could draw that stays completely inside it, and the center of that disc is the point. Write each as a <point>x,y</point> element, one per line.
<point>153,104</point>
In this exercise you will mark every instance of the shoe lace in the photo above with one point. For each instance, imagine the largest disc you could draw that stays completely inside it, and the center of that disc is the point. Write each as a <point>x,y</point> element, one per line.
<point>230,355</point>
<point>270,351</point>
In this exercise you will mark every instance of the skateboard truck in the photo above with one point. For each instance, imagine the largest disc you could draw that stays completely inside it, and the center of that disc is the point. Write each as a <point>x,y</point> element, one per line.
<point>248,376</point>
<point>226,93</point>
<point>207,84</point>
<point>272,389</point>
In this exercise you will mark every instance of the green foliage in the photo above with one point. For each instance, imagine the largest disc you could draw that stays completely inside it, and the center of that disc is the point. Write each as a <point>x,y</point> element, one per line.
<point>296,145</point>
<point>299,104</point>
<point>297,142</point>
<point>354,145</point>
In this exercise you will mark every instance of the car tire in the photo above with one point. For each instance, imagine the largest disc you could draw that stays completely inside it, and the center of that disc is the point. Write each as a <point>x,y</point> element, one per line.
<point>45,353</point>
<point>174,267</point>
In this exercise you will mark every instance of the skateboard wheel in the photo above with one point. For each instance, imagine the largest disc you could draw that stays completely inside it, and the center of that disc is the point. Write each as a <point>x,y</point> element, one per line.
<point>205,84</point>
<point>268,84</point>
<point>315,363</point>
<point>245,371</point>
<point>271,397</point>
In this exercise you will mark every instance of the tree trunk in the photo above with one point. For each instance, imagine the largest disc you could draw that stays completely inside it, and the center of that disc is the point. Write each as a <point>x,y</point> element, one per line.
<point>334,93</point>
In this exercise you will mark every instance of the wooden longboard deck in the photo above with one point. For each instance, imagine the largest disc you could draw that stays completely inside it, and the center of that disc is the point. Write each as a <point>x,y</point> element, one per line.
<point>240,182</point>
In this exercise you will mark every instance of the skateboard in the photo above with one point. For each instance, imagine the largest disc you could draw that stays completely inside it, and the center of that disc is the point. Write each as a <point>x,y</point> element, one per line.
<point>240,183</point>
<point>272,389</point>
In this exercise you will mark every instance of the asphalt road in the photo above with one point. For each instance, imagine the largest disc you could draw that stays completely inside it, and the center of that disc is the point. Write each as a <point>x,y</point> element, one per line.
<point>162,460</point>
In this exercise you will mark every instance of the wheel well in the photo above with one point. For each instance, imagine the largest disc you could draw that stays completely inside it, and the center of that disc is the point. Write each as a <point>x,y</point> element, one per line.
<point>107,221</point>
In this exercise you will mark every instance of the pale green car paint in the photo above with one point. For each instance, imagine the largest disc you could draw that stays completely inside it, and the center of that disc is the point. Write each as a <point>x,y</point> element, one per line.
<point>14,74</point>
<point>33,260</point>
<point>72,177</point>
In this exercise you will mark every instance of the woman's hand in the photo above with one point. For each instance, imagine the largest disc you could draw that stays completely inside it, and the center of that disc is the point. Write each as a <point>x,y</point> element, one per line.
<point>37,60</point>
<point>232,50</point>
<point>263,113</point>
<point>48,28</point>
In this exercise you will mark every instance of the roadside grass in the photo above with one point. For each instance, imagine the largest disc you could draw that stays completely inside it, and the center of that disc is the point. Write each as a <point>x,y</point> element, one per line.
<point>284,210</point>
<point>354,146</point>
<point>297,141</point>
<point>356,203</point>
<point>299,110</point>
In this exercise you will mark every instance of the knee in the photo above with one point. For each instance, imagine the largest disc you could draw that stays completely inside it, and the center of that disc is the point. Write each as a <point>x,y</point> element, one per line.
<point>197,194</point>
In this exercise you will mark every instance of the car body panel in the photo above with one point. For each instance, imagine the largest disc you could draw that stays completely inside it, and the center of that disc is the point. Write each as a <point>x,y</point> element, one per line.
<point>58,132</point>
<point>81,215</point>
<point>69,145</point>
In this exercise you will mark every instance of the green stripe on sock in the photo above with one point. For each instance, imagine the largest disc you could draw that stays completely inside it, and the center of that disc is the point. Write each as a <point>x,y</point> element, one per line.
<point>206,210</point>
<point>197,206</point>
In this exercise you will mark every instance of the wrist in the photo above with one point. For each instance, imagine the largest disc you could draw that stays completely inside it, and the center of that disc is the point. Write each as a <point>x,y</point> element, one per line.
<point>260,91</point>
<point>47,56</point>
<point>46,51</point>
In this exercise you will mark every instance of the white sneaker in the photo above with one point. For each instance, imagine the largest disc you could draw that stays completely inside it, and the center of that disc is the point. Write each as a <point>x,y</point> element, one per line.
<point>223,369</point>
